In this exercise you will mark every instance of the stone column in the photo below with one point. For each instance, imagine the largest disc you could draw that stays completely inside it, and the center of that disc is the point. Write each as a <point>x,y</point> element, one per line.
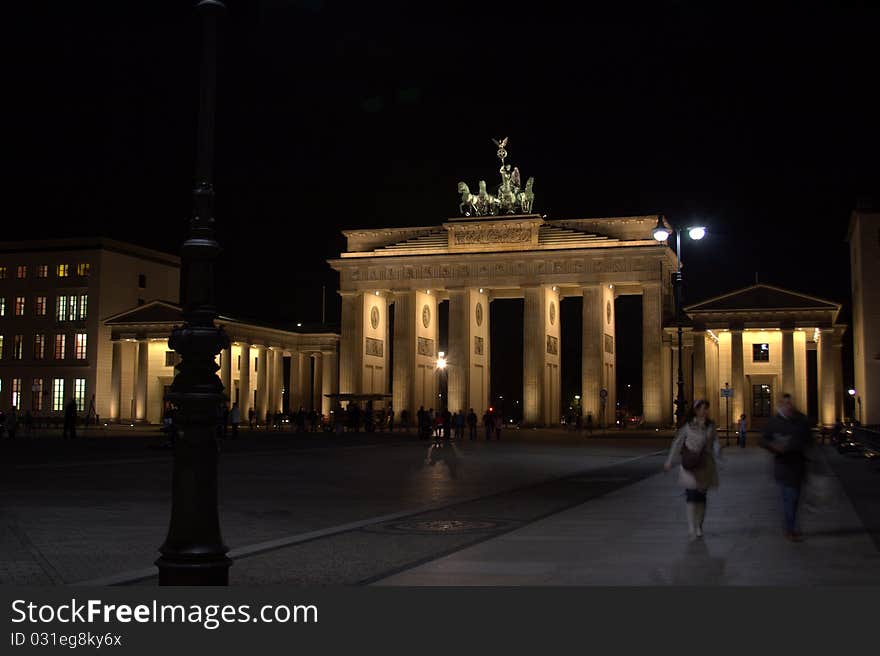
<point>244,382</point>
<point>788,382</point>
<point>700,387</point>
<point>262,384</point>
<point>592,358</point>
<point>270,380</point>
<point>533,356</point>
<point>295,384</point>
<point>737,376</point>
<point>115,383</point>
<point>668,383</point>
<point>838,379</point>
<point>826,377</point>
<point>351,347</point>
<point>143,359</point>
<point>458,358</point>
<point>226,373</point>
<point>403,381</point>
<point>318,382</point>
<point>279,379</point>
<point>652,336</point>
<point>330,381</point>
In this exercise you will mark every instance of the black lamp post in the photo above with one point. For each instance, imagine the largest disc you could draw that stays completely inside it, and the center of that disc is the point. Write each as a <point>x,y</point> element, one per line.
<point>661,233</point>
<point>193,552</point>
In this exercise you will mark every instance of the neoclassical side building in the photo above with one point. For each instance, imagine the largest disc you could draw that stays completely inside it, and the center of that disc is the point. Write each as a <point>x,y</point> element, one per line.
<point>472,261</point>
<point>252,369</point>
<point>757,342</point>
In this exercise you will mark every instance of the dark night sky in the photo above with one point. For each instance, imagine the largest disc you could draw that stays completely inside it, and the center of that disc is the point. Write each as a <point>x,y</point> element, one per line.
<point>762,124</point>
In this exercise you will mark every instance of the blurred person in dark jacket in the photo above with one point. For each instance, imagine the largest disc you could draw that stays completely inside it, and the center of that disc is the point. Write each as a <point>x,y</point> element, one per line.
<point>787,436</point>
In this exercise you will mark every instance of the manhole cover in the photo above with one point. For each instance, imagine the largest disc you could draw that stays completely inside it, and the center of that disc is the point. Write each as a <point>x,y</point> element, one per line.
<point>439,526</point>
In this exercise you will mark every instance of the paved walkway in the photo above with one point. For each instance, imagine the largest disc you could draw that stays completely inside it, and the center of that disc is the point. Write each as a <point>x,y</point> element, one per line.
<point>637,535</point>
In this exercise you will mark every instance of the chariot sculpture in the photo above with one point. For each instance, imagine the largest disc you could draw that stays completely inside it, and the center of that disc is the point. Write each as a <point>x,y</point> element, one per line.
<point>510,196</point>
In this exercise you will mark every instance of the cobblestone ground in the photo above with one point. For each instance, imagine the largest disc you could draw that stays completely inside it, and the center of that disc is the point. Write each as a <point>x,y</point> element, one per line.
<point>75,511</point>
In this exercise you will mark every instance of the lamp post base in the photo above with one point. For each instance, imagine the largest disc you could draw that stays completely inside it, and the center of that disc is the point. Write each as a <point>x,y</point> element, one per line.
<point>194,571</point>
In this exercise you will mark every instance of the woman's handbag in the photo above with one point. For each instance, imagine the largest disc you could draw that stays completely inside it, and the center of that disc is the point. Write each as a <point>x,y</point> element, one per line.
<point>691,460</point>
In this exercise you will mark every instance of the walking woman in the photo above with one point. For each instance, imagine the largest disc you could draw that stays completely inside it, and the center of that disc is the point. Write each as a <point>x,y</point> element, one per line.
<point>697,444</point>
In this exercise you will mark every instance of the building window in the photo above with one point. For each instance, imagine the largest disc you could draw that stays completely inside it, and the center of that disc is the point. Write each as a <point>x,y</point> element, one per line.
<point>142,281</point>
<point>16,393</point>
<point>2,272</point>
<point>17,347</point>
<point>21,271</point>
<point>71,308</point>
<point>43,271</point>
<point>170,358</point>
<point>238,364</point>
<point>40,306</point>
<point>83,306</point>
<point>141,301</point>
<point>257,363</point>
<point>39,346</point>
<point>83,269</point>
<point>79,393</point>
<point>19,306</point>
<point>60,344</point>
<point>80,345</point>
<point>37,395</point>
<point>1,347</point>
<point>760,353</point>
<point>61,308</point>
<point>2,307</point>
<point>63,270</point>
<point>58,394</point>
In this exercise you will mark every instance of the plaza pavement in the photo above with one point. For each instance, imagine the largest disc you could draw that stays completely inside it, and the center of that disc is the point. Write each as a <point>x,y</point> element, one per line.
<point>637,536</point>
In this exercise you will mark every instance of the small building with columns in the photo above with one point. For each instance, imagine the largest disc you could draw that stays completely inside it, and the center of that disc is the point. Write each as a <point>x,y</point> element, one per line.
<point>757,341</point>
<point>252,369</point>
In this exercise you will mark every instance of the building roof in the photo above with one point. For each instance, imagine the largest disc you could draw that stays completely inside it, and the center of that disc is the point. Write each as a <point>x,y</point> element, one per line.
<point>165,312</point>
<point>762,298</point>
<point>86,244</point>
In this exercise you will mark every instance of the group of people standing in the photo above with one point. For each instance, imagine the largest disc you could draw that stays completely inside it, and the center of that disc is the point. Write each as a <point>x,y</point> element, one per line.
<point>13,420</point>
<point>787,435</point>
<point>446,425</point>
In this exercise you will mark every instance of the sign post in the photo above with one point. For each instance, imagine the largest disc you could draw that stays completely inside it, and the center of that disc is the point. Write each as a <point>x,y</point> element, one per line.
<point>726,393</point>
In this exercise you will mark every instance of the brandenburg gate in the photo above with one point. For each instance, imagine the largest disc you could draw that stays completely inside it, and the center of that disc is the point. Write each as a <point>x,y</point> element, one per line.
<point>496,250</point>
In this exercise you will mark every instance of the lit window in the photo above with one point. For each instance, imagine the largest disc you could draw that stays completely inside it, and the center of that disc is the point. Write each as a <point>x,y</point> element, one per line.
<point>43,271</point>
<point>83,306</point>
<point>81,341</point>
<point>16,393</point>
<point>2,272</point>
<point>63,270</point>
<point>60,346</point>
<point>1,347</point>
<point>39,346</point>
<point>19,306</point>
<point>61,308</point>
<point>79,393</point>
<point>760,353</point>
<point>83,269</point>
<point>58,394</point>
<point>17,347</point>
<point>40,306</point>
<point>2,307</point>
<point>37,395</point>
<point>21,271</point>
<point>71,308</point>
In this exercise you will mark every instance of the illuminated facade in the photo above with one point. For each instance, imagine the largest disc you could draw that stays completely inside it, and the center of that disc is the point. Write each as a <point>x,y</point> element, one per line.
<point>252,369</point>
<point>758,343</point>
<point>472,261</point>
<point>53,296</point>
<point>864,244</point>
